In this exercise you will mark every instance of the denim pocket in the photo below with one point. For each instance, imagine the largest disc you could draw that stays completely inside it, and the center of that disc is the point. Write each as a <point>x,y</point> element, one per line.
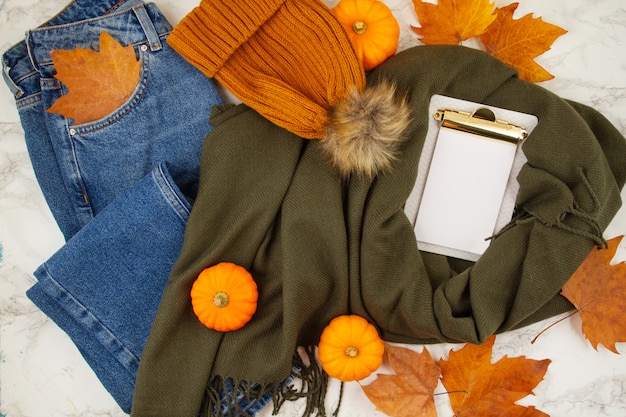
<point>158,123</point>
<point>131,103</point>
<point>83,167</point>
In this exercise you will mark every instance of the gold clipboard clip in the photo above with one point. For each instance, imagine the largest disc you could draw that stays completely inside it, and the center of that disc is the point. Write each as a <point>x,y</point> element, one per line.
<point>481,122</point>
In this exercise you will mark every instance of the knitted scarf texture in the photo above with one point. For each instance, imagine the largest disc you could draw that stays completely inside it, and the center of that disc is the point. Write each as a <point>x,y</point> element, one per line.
<point>320,246</point>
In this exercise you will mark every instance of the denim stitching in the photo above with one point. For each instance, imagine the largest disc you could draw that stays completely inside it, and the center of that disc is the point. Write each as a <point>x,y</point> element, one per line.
<point>148,27</point>
<point>84,202</point>
<point>125,108</point>
<point>27,101</point>
<point>113,344</point>
<point>15,89</point>
<point>42,29</point>
<point>181,209</point>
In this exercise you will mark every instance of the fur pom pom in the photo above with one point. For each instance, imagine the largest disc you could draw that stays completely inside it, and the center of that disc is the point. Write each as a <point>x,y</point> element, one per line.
<point>365,130</point>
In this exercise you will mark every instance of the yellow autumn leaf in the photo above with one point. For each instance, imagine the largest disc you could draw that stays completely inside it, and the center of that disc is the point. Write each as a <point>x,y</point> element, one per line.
<point>479,387</point>
<point>598,292</point>
<point>410,392</point>
<point>449,22</point>
<point>98,81</point>
<point>518,42</point>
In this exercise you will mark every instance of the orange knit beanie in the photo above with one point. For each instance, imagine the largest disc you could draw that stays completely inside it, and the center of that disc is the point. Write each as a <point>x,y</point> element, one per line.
<point>293,63</point>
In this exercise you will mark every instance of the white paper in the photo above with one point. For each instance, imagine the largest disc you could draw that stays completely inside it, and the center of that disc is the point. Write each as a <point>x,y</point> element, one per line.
<point>464,190</point>
<point>466,185</point>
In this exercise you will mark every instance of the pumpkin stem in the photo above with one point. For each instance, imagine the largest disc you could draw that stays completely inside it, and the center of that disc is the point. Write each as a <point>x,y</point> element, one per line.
<point>359,27</point>
<point>220,299</point>
<point>352,352</point>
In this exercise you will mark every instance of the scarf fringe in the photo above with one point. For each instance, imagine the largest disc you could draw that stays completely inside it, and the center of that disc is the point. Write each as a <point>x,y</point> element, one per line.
<point>314,383</point>
<point>226,397</point>
<point>595,233</point>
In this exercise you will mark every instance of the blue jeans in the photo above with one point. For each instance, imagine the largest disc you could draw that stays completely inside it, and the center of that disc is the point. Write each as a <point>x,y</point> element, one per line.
<point>124,254</point>
<point>82,168</point>
<point>119,187</point>
<point>104,285</point>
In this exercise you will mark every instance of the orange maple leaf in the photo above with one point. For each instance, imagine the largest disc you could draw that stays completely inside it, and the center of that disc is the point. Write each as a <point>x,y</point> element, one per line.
<point>518,42</point>
<point>598,291</point>
<point>408,393</point>
<point>479,388</point>
<point>98,81</point>
<point>450,22</point>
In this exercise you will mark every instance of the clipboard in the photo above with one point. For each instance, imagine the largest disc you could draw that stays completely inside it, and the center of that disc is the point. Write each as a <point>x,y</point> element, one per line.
<point>466,185</point>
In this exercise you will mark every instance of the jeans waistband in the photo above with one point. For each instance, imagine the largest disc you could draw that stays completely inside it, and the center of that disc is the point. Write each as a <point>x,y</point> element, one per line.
<point>78,10</point>
<point>139,24</point>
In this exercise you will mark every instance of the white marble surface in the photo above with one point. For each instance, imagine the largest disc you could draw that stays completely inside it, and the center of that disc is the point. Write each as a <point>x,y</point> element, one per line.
<point>42,373</point>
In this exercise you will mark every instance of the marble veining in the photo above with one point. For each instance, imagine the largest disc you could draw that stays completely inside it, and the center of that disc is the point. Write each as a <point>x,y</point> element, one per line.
<point>42,373</point>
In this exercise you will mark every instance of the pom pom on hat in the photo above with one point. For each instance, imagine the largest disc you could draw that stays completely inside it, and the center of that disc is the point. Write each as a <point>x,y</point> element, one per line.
<point>364,130</point>
<point>292,61</point>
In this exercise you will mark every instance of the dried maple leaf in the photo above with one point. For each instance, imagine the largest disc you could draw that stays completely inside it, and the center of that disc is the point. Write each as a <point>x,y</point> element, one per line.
<point>408,393</point>
<point>450,22</point>
<point>519,42</point>
<point>479,388</point>
<point>598,291</point>
<point>98,81</point>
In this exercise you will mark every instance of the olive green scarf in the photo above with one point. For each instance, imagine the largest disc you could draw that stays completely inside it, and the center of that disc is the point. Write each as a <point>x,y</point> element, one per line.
<point>319,247</point>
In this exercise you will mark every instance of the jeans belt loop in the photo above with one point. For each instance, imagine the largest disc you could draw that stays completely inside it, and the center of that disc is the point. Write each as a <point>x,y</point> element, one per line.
<point>31,52</point>
<point>148,27</point>
<point>15,89</point>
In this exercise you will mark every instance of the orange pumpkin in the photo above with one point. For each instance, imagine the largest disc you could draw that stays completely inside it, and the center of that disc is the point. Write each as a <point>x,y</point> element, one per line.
<point>224,297</point>
<point>372,29</point>
<point>350,348</point>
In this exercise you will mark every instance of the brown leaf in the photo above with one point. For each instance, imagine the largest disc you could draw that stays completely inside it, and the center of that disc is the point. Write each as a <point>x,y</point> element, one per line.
<point>598,291</point>
<point>98,82</point>
<point>408,393</point>
<point>519,42</point>
<point>479,388</point>
<point>450,22</point>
